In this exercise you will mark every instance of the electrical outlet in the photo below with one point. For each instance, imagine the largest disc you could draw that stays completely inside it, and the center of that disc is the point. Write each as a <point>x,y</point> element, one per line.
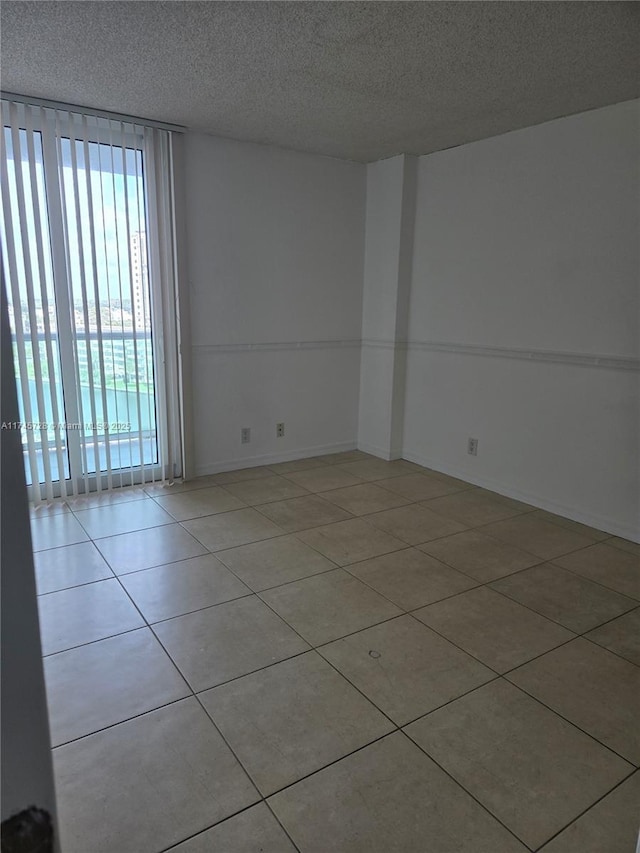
<point>472,446</point>
<point>245,435</point>
<point>279,430</point>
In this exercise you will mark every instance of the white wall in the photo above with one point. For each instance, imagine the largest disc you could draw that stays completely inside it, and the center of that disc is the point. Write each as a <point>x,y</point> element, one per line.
<point>523,317</point>
<point>275,247</point>
<point>529,241</point>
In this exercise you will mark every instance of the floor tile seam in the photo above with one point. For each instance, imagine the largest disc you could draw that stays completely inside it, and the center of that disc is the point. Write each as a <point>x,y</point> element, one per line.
<point>157,498</point>
<point>57,547</point>
<point>244,769</point>
<point>412,613</point>
<point>323,465</point>
<point>377,459</point>
<point>184,521</point>
<point>405,610</point>
<point>369,742</point>
<point>481,529</point>
<point>467,528</point>
<point>335,761</point>
<point>537,702</point>
<point>376,483</point>
<point>170,520</point>
<point>314,548</point>
<point>235,814</point>
<point>250,594</point>
<point>263,502</point>
<point>332,568</point>
<point>549,618</point>
<point>215,515</point>
<point>317,464</point>
<point>314,648</point>
<point>466,572</point>
<point>403,505</point>
<point>271,539</point>
<point>297,580</point>
<point>247,594</point>
<point>451,701</point>
<point>593,737</point>
<point>606,648</point>
<point>265,797</point>
<point>366,518</point>
<point>108,504</point>
<point>468,487</point>
<point>591,580</point>
<point>636,601</point>
<point>385,621</point>
<point>353,517</point>
<point>158,566</point>
<point>250,672</point>
<point>587,810</point>
<point>126,719</point>
<point>161,644</point>
<point>463,788</point>
<point>322,491</point>
<point>341,636</point>
<point>281,825</point>
<point>619,548</point>
<point>303,529</point>
<point>487,809</point>
<point>77,585</point>
<point>487,585</point>
<point>153,633</point>
<point>92,642</point>
<point>513,513</point>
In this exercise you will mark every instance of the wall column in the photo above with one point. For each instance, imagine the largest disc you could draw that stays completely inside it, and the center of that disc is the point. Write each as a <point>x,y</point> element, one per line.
<point>390,221</point>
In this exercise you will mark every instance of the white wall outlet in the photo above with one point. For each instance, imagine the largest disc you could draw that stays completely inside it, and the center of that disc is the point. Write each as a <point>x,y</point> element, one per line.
<point>472,446</point>
<point>279,430</point>
<point>245,435</point>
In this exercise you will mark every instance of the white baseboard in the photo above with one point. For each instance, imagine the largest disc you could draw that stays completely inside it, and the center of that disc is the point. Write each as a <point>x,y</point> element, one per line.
<point>608,525</point>
<point>271,458</point>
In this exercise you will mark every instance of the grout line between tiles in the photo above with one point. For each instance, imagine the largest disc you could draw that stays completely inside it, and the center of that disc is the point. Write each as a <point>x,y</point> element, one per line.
<point>571,722</point>
<point>217,823</point>
<point>595,803</point>
<point>126,720</point>
<point>92,642</point>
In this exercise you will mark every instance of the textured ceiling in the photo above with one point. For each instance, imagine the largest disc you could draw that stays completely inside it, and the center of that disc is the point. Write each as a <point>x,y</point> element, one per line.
<point>358,80</point>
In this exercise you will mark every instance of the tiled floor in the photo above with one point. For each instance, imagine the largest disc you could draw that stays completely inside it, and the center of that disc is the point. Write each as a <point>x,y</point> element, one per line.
<point>338,655</point>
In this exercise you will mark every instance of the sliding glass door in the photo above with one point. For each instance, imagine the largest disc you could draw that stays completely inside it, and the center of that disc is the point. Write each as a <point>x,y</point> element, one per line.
<point>27,258</point>
<point>85,300</point>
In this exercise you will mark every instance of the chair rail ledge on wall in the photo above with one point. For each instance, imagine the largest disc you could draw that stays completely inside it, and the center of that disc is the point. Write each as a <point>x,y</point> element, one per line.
<point>578,359</point>
<point>277,346</point>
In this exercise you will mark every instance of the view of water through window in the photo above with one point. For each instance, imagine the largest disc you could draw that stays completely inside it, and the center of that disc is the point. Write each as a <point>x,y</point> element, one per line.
<point>81,321</point>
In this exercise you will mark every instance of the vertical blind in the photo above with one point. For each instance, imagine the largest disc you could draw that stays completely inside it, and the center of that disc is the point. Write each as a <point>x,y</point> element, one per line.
<point>88,255</point>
